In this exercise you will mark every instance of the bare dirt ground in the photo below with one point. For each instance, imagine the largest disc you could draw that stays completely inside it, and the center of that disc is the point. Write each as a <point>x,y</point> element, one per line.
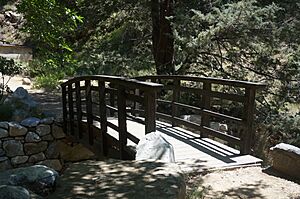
<point>243,183</point>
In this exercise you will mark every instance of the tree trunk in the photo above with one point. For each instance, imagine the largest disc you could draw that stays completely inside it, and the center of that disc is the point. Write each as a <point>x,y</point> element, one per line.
<point>162,36</point>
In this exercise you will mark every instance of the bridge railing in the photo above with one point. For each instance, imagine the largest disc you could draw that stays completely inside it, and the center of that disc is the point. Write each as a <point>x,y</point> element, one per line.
<point>92,98</point>
<point>207,97</point>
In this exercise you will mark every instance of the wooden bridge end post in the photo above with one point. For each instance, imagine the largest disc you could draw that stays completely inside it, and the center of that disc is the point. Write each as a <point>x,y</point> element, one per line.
<point>248,116</point>
<point>122,121</point>
<point>65,109</point>
<point>206,103</point>
<point>150,111</point>
<point>176,95</point>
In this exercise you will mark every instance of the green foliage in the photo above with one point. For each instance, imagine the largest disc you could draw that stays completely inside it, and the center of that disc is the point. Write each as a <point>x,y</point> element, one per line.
<point>9,68</point>
<point>6,112</point>
<point>51,25</point>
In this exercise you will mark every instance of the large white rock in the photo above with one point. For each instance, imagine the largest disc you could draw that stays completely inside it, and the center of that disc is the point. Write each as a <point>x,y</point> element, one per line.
<point>155,147</point>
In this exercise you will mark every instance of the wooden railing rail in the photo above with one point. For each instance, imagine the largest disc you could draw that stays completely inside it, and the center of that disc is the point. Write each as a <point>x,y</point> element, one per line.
<point>90,97</point>
<point>175,84</point>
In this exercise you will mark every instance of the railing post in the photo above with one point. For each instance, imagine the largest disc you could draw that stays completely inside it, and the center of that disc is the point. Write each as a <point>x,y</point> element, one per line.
<point>65,110</point>
<point>248,116</point>
<point>103,118</point>
<point>122,121</point>
<point>176,95</point>
<point>78,109</point>
<point>150,110</point>
<point>112,102</point>
<point>206,102</point>
<point>71,109</point>
<point>89,111</point>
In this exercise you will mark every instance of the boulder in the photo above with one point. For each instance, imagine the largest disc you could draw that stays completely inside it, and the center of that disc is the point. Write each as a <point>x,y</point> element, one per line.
<point>286,159</point>
<point>125,179</point>
<point>13,192</point>
<point>16,129</point>
<point>33,148</point>
<point>154,146</point>
<point>218,126</point>
<point>48,137</point>
<point>2,152</point>
<point>30,122</point>
<point>3,133</point>
<point>32,137</point>
<point>13,148</point>
<point>43,129</point>
<point>192,118</point>
<point>38,178</point>
<point>23,104</point>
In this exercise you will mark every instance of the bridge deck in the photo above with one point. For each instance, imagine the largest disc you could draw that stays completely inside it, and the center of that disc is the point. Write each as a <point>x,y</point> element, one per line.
<point>191,152</point>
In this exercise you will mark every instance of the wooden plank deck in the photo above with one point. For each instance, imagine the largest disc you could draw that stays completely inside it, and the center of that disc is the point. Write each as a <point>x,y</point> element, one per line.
<point>192,153</point>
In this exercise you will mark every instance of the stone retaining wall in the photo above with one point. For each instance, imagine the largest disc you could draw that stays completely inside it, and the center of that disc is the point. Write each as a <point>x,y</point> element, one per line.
<point>33,142</point>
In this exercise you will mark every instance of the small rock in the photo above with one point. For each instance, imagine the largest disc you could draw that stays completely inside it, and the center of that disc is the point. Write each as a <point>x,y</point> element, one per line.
<point>3,158</point>
<point>33,148</point>
<point>2,152</point>
<point>48,120</point>
<point>5,165</point>
<point>31,122</point>
<point>43,129</point>
<point>4,125</point>
<point>37,157</point>
<point>58,132</point>
<point>48,137</point>
<point>13,192</point>
<point>16,129</point>
<point>53,150</point>
<point>54,164</point>
<point>26,81</point>
<point>3,133</point>
<point>154,146</point>
<point>13,148</point>
<point>32,137</point>
<point>19,160</point>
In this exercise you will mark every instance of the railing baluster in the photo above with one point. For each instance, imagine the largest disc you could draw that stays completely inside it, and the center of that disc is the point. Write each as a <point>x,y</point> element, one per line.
<point>65,110</point>
<point>176,95</point>
<point>71,108</point>
<point>103,118</point>
<point>89,111</point>
<point>78,109</point>
<point>248,116</point>
<point>206,101</point>
<point>122,120</point>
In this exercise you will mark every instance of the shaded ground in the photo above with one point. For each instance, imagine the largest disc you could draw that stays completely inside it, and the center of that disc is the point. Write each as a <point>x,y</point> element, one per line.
<point>242,183</point>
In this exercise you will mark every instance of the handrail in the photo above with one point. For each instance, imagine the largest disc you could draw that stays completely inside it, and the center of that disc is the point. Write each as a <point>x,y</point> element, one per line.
<point>245,121</point>
<point>119,91</point>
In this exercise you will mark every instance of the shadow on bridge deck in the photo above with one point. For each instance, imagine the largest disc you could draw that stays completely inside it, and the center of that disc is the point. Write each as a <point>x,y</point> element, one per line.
<point>192,153</point>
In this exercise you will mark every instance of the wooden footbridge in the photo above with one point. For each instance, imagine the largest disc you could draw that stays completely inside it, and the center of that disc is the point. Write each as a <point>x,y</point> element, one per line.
<point>111,114</point>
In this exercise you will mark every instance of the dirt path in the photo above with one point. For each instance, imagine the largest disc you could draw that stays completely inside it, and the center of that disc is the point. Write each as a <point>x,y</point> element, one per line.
<point>244,183</point>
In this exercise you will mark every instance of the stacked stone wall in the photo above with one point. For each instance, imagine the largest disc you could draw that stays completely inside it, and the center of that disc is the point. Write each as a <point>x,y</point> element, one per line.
<point>33,141</point>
